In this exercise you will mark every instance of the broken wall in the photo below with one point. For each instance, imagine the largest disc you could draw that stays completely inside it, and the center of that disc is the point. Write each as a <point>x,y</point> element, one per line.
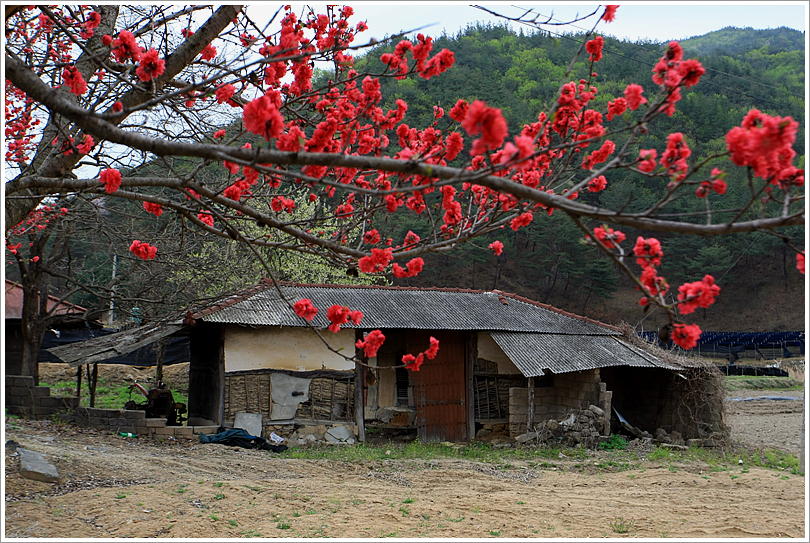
<point>493,375</point>
<point>557,396</point>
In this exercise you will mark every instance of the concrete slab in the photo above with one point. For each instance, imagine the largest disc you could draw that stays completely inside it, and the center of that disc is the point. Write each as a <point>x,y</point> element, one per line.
<point>250,422</point>
<point>287,393</point>
<point>33,466</point>
<point>338,434</point>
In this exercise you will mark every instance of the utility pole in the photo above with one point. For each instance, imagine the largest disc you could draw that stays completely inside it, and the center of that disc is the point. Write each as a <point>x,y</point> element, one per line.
<point>112,298</point>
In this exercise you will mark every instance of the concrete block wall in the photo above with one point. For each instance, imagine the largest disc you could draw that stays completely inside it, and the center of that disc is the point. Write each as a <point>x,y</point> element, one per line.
<point>29,401</point>
<point>571,392</point>
<point>24,399</point>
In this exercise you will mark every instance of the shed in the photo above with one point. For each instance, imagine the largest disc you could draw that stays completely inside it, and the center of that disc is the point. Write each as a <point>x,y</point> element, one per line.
<point>499,354</point>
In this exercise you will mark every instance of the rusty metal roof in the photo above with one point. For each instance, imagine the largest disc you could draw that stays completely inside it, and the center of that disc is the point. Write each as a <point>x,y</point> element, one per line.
<point>535,353</point>
<point>391,307</point>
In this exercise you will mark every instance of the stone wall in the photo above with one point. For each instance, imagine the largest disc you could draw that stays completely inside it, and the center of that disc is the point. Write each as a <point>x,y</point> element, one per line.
<point>571,392</point>
<point>26,400</point>
<point>35,402</point>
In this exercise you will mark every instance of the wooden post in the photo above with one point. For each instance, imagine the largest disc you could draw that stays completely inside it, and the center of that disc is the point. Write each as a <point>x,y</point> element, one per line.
<point>91,383</point>
<point>79,384</point>
<point>161,352</point>
<point>359,413</point>
<point>530,415</point>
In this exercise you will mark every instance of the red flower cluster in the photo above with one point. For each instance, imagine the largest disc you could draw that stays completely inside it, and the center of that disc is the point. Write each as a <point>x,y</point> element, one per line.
<point>90,25</point>
<point>632,93</point>
<point>207,218</point>
<point>209,52</point>
<point>111,179</point>
<point>304,309</point>
<point>675,155</point>
<point>73,79</point>
<point>372,237</point>
<point>151,66</point>
<point>800,262</point>
<point>686,335</point>
<point>86,145</point>
<point>608,236</point>
<point>371,343</point>
<point>124,46</point>
<point>594,47</point>
<point>672,72</point>
<point>497,247</point>
<point>377,262</point>
<point>488,122</point>
<point>414,362</point>
<point>646,158</point>
<point>597,184</point>
<point>339,315</point>
<point>648,252</point>
<point>521,220</point>
<point>154,209</point>
<point>262,117</point>
<point>616,108</point>
<point>143,250</point>
<point>280,203</point>
<point>764,143</point>
<point>413,268</point>
<point>610,13</point>
<point>697,294</point>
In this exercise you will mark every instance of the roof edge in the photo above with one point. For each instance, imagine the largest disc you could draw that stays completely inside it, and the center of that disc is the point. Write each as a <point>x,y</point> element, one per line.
<point>555,309</point>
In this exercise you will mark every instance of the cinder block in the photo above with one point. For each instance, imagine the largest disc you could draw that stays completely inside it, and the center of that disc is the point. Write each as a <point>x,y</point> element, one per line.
<point>23,381</point>
<point>208,430</point>
<point>155,423</point>
<point>183,431</point>
<point>164,431</point>
<point>39,392</point>
<point>17,390</point>
<point>97,422</point>
<point>50,401</point>
<point>121,421</point>
<point>134,414</point>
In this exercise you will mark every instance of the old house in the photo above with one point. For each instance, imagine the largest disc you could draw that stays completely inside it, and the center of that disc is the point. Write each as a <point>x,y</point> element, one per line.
<point>499,354</point>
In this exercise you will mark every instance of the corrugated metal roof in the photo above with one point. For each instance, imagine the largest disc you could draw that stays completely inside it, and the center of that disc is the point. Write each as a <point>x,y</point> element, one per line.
<point>404,308</point>
<point>533,353</point>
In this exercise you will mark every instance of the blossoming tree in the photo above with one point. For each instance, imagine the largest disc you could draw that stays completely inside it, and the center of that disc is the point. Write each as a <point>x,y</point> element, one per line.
<point>90,91</point>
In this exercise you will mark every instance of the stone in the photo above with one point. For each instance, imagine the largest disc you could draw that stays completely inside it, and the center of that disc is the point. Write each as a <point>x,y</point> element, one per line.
<point>33,466</point>
<point>338,434</point>
<point>528,436</point>
<point>250,422</point>
<point>598,411</point>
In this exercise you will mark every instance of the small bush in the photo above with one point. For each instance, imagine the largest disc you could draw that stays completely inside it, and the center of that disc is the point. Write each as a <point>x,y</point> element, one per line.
<point>614,443</point>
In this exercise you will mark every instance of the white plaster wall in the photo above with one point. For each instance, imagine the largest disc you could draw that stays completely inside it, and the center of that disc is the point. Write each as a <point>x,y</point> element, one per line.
<point>290,348</point>
<point>489,350</point>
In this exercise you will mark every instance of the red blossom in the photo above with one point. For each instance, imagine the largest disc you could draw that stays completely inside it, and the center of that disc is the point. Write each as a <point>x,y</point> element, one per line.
<point>219,134</point>
<point>633,96</point>
<point>87,144</point>
<point>698,294</point>
<point>154,209</point>
<point>608,236</point>
<point>413,362</point>
<point>206,217</point>
<point>487,121</point>
<point>521,220</point>
<point>459,111</point>
<point>800,262</point>
<point>262,117</point>
<point>647,160</point>
<point>372,237</point>
<point>371,343</point>
<point>594,47</point>
<point>414,267</point>
<point>433,350</point>
<point>377,262</point>
<point>411,238</point>
<point>610,13</point>
<point>111,179</point>
<point>151,66</point>
<point>686,335</point>
<point>339,315</point>
<point>765,143</point>
<point>497,247</point>
<point>616,108</point>
<point>648,252</point>
<point>143,250</point>
<point>597,184</point>
<point>209,52</point>
<point>304,309</point>
<point>118,106</point>
<point>73,79</point>
<point>125,47</point>
<point>224,93</point>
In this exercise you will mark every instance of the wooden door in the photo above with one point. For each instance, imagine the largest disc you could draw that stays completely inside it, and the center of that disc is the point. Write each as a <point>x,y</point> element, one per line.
<point>440,387</point>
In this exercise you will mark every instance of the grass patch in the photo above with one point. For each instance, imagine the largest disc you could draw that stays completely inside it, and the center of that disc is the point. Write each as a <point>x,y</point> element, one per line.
<point>748,382</point>
<point>108,395</point>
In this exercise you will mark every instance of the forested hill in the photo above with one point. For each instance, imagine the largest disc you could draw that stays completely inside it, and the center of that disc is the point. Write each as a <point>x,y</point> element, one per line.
<point>521,74</point>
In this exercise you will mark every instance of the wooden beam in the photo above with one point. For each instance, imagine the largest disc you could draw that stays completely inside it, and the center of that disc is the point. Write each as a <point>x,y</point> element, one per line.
<point>359,411</point>
<point>530,414</point>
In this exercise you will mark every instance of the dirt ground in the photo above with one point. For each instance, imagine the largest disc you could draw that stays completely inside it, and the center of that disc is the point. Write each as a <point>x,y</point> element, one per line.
<point>120,487</point>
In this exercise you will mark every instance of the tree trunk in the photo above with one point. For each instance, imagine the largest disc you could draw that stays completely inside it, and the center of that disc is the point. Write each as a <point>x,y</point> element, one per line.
<point>553,282</point>
<point>161,353</point>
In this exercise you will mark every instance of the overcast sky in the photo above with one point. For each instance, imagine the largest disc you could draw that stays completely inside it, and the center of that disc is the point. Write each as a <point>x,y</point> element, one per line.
<point>657,21</point>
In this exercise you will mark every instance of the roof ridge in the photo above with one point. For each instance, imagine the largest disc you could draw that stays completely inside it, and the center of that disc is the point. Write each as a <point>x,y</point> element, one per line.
<point>555,309</point>
<point>381,287</point>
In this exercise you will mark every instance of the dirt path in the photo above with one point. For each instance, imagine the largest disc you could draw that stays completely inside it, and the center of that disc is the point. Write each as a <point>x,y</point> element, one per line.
<point>119,487</point>
<point>140,488</point>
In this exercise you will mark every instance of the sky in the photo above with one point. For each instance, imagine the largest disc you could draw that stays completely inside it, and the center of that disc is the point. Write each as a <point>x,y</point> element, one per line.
<point>656,21</point>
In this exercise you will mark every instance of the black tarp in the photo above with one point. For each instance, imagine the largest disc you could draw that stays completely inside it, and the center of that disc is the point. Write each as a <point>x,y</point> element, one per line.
<point>177,348</point>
